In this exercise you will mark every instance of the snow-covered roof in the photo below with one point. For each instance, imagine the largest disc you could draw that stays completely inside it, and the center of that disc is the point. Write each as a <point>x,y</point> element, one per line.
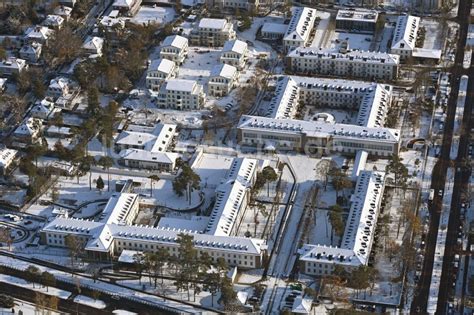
<point>175,41</point>
<point>118,208</point>
<point>53,20</point>
<point>123,3</point>
<point>29,127</point>
<point>223,70</point>
<point>12,62</point>
<point>7,156</point>
<point>63,10</point>
<point>230,196</point>
<point>405,32</point>
<point>102,235</point>
<point>359,233</point>
<point>109,21</point>
<point>162,65</point>
<point>236,46</point>
<point>318,129</point>
<point>197,224</point>
<point>369,57</point>
<point>3,82</point>
<point>93,43</point>
<point>275,28</point>
<point>373,98</point>
<point>358,15</point>
<point>59,83</point>
<point>302,305</point>
<point>42,108</point>
<point>218,24</point>
<point>427,53</point>
<point>148,156</point>
<point>38,33</point>
<point>32,48</point>
<point>180,85</point>
<point>301,24</point>
<point>154,140</point>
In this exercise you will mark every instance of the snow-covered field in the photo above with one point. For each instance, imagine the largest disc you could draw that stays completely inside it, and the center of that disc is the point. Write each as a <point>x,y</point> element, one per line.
<point>160,15</point>
<point>85,300</point>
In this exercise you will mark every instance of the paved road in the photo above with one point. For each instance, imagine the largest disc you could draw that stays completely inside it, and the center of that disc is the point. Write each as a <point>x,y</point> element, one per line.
<point>438,181</point>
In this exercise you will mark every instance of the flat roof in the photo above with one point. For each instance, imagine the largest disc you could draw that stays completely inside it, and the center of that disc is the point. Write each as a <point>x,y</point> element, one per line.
<point>358,15</point>
<point>275,28</point>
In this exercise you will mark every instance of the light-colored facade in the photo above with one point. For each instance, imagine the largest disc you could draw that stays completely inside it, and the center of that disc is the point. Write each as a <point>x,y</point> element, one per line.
<point>358,237</point>
<point>316,137</point>
<point>7,157</point>
<point>31,52</point>
<point>247,5</point>
<point>28,131</point>
<point>147,148</point>
<point>222,80</point>
<point>174,48</point>
<point>356,21</point>
<point>159,71</point>
<point>54,21</point>
<point>59,87</point>
<point>127,7</point>
<point>12,66</point>
<point>356,64</point>
<point>235,53</point>
<point>272,31</point>
<point>93,46</point>
<point>299,30</point>
<point>39,34</point>
<point>213,32</point>
<point>405,34</point>
<point>181,94</point>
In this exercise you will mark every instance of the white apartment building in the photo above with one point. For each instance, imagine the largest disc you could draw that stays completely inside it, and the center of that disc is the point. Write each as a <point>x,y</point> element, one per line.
<point>174,48</point>
<point>358,237</point>
<point>12,65</point>
<point>222,80</point>
<point>7,157</point>
<point>232,197</point>
<point>147,148</point>
<point>299,30</point>
<point>358,21</point>
<point>371,99</point>
<point>113,232</point>
<point>213,32</point>
<point>342,63</point>
<point>316,137</point>
<point>235,53</point>
<point>181,94</point>
<point>31,52</point>
<point>405,34</point>
<point>158,72</point>
<point>247,5</point>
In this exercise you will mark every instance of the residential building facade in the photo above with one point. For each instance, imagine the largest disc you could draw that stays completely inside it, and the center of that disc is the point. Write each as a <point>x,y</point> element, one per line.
<point>222,80</point>
<point>298,33</point>
<point>212,32</point>
<point>235,53</point>
<point>181,94</point>
<point>158,72</point>
<point>405,34</point>
<point>174,48</point>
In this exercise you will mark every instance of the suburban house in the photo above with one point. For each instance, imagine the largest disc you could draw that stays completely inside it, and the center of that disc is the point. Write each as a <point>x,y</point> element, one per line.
<point>28,131</point>
<point>127,7</point>
<point>31,52</point>
<point>92,46</point>
<point>12,66</point>
<point>53,21</point>
<point>7,157</point>
<point>59,87</point>
<point>39,34</point>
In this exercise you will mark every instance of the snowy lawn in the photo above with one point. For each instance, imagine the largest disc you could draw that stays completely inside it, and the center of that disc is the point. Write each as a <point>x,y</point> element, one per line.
<point>161,15</point>
<point>85,300</point>
<point>62,294</point>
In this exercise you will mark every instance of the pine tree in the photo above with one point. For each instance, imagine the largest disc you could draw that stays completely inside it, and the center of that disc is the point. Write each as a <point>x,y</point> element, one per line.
<point>100,183</point>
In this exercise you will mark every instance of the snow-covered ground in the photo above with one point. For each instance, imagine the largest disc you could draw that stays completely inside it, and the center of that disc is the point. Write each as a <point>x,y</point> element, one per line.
<point>62,294</point>
<point>26,308</point>
<point>85,300</point>
<point>155,14</point>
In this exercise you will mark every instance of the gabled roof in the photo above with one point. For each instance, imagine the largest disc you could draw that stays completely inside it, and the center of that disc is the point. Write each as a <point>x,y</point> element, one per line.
<point>53,20</point>
<point>13,62</point>
<point>236,46</point>
<point>180,85</point>
<point>38,32</point>
<point>218,24</point>
<point>405,32</point>
<point>162,65</point>
<point>223,70</point>
<point>6,156</point>
<point>93,43</point>
<point>175,41</point>
<point>301,24</point>
<point>29,127</point>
